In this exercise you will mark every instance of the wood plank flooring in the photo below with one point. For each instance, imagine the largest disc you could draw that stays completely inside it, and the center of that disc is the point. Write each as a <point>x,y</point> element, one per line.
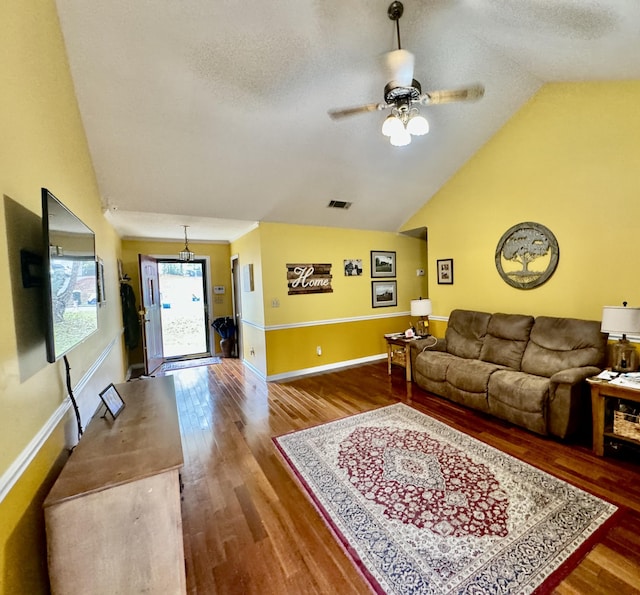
<point>248,527</point>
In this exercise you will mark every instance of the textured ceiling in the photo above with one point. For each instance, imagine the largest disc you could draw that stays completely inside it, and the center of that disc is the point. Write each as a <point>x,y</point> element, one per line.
<point>197,111</point>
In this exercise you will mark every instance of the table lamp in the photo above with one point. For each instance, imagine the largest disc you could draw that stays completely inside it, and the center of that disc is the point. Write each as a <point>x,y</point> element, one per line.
<point>622,320</point>
<point>421,308</point>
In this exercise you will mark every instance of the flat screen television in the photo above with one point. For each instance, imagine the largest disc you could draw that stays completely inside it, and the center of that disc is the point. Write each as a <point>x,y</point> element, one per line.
<point>69,278</point>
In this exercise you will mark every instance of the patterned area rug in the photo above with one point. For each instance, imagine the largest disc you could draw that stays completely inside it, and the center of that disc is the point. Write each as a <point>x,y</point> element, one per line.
<point>190,363</point>
<point>423,508</point>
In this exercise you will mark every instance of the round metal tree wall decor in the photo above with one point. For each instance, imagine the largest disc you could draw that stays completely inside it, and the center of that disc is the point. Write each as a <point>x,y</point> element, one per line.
<point>527,255</point>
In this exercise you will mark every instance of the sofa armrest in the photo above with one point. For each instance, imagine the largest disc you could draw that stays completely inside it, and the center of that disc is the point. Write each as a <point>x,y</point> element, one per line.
<point>574,375</point>
<point>569,404</point>
<point>419,345</point>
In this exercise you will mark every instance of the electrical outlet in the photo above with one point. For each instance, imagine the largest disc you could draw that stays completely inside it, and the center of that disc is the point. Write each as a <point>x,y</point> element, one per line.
<point>319,350</point>
<point>275,303</point>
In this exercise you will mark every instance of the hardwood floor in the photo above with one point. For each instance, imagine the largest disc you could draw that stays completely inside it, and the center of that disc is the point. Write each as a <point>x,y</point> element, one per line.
<point>248,527</point>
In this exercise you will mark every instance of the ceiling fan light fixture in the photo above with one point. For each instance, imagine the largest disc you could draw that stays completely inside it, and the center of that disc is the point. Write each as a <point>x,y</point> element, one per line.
<point>402,93</point>
<point>418,125</point>
<point>400,138</point>
<point>392,125</point>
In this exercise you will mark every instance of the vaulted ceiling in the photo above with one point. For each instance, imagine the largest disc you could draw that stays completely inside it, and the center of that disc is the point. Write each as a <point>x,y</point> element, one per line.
<point>213,113</point>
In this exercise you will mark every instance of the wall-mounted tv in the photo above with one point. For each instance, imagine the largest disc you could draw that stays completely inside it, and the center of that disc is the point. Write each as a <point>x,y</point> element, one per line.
<point>69,275</point>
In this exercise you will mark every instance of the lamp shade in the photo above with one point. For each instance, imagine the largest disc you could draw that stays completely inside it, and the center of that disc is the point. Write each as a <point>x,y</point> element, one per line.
<point>421,307</point>
<point>620,319</point>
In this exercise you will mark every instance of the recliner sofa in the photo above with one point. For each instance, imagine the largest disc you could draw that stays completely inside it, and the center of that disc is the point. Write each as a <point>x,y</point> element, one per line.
<point>528,371</point>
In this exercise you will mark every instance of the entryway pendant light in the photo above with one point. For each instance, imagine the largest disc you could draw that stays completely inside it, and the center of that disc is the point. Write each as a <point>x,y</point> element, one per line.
<point>186,255</point>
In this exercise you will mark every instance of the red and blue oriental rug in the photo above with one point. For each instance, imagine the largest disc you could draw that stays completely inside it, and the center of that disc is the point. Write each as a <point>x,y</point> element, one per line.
<point>423,508</point>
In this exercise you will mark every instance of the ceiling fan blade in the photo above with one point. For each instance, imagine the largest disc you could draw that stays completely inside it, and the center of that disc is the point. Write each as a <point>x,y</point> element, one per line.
<point>336,114</point>
<point>399,67</point>
<point>472,93</point>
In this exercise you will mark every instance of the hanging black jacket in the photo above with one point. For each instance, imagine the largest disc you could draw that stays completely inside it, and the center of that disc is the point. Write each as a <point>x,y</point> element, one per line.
<point>129,316</point>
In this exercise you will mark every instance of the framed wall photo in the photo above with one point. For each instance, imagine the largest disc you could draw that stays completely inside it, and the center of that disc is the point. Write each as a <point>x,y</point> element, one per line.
<point>112,400</point>
<point>247,277</point>
<point>353,267</point>
<point>384,293</point>
<point>101,298</point>
<point>383,264</point>
<point>445,271</point>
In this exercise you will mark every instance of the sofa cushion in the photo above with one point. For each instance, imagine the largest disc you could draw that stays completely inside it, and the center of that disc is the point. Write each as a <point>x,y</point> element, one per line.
<point>560,343</point>
<point>520,398</point>
<point>525,392</point>
<point>506,339</point>
<point>434,364</point>
<point>432,386</point>
<point>471,375</point>
<point>465,333</point>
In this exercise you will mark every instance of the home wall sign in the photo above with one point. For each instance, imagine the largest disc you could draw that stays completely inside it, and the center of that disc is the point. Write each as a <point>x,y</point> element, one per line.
<point>309,278</point>
<point>527,255</point>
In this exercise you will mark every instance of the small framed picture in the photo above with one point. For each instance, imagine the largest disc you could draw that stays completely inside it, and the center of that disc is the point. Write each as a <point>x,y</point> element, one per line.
<point>101,298</point>
<point>445,271</point>
<point>384,293</point>
<point>383,264</point>
<point>353,267</point>
<point>112,400</point>
<point>247,277</point>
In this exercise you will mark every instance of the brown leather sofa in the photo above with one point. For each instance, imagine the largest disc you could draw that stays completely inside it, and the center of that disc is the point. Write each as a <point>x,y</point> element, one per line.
<point>528,371</point>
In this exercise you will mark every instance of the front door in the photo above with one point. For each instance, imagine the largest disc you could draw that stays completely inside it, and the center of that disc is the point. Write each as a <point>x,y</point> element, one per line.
<point>185,308</point>
<point>151,322</point>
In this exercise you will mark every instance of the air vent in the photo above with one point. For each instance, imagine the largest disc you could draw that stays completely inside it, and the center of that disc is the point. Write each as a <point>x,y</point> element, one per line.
<point>339,204</point>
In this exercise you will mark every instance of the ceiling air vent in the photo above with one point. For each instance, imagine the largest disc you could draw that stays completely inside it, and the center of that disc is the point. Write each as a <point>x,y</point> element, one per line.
<point>339,204</point>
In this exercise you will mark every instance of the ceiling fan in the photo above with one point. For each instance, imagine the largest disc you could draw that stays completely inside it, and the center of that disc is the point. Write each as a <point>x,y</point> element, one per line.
<point>402,93</point>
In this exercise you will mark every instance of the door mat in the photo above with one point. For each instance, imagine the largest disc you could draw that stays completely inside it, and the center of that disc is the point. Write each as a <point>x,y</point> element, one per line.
<point>190,363</point>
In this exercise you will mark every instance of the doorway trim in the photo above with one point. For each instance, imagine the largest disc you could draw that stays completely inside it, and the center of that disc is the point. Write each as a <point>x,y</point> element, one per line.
<point>236,302</point>
<point>208,290</point>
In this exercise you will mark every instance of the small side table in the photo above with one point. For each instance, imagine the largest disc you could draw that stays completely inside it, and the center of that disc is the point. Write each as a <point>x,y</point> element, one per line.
<point>600,391</point>
<point>398,354</point>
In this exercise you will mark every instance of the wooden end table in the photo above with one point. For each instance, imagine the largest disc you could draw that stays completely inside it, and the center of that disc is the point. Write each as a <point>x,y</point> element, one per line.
<point>600,391</point>
<point>398,354</point>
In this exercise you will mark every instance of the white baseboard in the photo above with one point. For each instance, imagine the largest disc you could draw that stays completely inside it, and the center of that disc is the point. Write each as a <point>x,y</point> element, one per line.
<point>325,368</point>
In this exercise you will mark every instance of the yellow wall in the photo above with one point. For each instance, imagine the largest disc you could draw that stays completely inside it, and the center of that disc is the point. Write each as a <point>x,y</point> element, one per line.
<point>570,160</point>
<point>218,254</point>
<point>343,323</point>
<point>247,250</point>
<point>43,144</point>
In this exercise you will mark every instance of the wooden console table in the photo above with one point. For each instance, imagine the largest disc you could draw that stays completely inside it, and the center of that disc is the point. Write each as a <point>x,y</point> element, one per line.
<point>113,516</point>
<point>601,390</point>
